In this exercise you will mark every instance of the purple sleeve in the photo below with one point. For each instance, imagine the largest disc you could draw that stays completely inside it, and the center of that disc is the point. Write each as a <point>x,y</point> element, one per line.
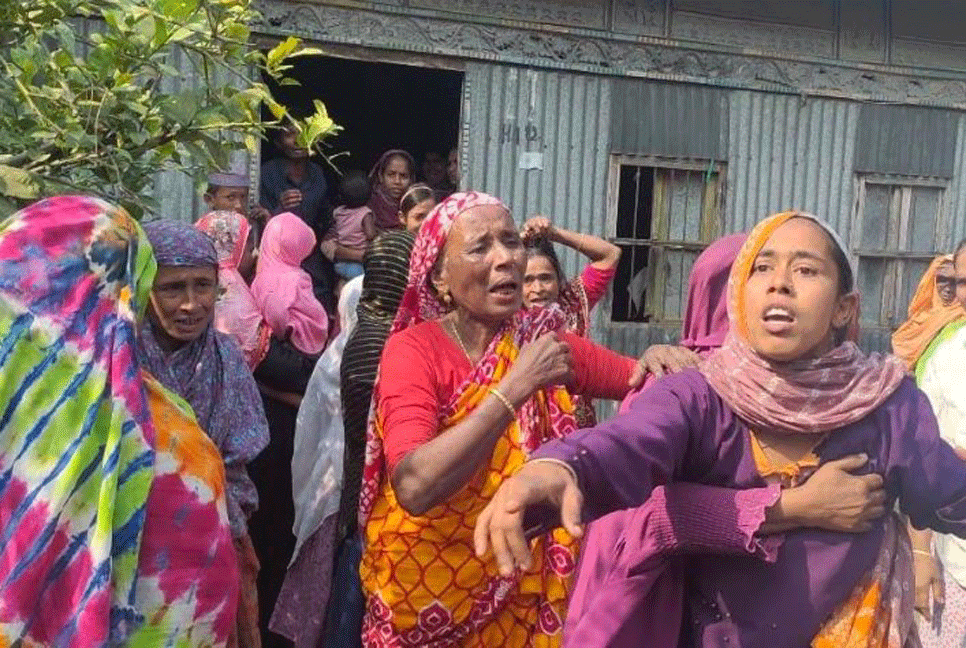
<point>694,518</point>
<point>620,461</point>
<point>932,479</point>
<point>595,283</point>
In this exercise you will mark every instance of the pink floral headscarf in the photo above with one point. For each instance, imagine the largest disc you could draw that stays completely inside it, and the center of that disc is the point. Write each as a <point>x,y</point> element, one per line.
<point>419,302</point>
<point>808,396</point>
<point>236,313</point>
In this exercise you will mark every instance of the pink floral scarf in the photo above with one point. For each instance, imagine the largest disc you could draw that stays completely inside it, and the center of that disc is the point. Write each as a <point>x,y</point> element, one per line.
<point>811,396</point>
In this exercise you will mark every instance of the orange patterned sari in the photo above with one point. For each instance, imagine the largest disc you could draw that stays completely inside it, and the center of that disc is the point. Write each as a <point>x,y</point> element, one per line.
<point>424,584</point>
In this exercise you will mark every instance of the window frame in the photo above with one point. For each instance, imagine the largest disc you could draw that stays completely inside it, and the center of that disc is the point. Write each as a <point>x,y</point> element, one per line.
<point>616,162</point>
<point>892,284</point>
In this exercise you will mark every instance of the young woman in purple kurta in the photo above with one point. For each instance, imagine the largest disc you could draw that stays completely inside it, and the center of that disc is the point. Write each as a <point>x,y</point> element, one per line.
<point>781,391</point>
<point>631,576</point>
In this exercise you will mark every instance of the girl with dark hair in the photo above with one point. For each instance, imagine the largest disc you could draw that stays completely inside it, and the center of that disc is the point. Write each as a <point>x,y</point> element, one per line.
<point>544,281</point>
<point>416,203</point>
<point>391,176</point>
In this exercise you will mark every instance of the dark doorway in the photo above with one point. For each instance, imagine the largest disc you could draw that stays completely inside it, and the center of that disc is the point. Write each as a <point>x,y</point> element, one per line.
<point>380,106</point>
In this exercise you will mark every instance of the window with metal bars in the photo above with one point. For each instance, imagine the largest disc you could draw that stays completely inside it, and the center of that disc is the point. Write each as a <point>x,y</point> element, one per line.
<point>667,212</point>
<point>897,230</point>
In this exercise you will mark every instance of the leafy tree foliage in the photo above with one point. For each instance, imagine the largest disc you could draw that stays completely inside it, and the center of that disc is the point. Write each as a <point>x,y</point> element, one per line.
<point>91,99</point>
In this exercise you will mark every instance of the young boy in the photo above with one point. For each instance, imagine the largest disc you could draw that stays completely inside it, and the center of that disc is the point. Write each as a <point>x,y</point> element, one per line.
<point>229,192</point>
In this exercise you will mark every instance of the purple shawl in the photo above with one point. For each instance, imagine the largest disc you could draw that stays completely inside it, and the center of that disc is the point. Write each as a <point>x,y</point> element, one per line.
<point>211,374</point>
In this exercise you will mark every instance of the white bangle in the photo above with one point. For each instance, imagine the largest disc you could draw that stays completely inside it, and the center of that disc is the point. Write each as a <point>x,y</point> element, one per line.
<point>573,475</point>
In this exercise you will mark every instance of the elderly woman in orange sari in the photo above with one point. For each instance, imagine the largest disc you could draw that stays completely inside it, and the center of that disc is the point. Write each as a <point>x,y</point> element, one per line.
<point>469,385</point>
<point>932,310</point>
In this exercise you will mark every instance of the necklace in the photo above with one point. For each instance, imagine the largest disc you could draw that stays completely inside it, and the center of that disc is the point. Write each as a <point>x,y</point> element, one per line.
<point>459,340</point>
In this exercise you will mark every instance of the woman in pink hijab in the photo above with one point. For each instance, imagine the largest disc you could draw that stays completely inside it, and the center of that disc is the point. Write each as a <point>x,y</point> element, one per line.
<point>283,290</point>
<point>705,319</point>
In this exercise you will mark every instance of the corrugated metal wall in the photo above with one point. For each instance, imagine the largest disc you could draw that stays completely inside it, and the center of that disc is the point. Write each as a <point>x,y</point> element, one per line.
<point>906,140</point>
<point>177,193</point>
<point>789,152</point>
<point>518,119</point>
<point>956,195</point>
<point>673,119</point>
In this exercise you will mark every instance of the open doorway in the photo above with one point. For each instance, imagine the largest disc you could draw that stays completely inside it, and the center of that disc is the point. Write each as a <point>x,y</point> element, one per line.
<point>380,106</point>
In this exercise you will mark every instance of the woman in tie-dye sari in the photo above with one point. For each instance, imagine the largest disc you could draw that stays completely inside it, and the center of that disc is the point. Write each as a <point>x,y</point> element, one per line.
<point>113,522</point>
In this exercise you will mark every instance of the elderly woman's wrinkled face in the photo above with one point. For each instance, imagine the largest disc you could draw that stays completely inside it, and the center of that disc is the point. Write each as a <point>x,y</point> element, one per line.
<point>183,303</point>
<point>482,264</point>
<point>946,283</point>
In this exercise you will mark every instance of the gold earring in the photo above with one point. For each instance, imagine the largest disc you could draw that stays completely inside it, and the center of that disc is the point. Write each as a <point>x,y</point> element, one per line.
<point>447,298</point>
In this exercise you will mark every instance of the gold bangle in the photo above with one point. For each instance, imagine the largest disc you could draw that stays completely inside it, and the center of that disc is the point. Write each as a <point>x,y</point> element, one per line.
<point>922,553</point>
<point>503,399</point>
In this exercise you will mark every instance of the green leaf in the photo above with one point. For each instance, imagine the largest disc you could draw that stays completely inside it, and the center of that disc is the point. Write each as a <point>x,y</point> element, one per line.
<point>281,51</point>
<point>17,183</point>
<point>307,51</point>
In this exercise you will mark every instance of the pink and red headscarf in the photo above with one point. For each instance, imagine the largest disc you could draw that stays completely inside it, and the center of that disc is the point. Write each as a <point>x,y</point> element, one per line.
<point>236,313</point>
<point>420,302</point>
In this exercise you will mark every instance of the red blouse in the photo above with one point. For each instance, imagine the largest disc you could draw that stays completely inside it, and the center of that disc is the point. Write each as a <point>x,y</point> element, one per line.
<point>422,367</point>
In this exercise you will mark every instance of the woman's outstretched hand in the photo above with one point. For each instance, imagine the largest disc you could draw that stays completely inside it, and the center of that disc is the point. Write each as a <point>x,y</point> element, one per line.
<point>500,525</point>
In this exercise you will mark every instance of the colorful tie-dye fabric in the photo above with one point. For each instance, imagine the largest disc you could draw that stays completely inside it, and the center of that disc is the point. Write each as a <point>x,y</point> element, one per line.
<point>81,469</point>
<point>187,585</point>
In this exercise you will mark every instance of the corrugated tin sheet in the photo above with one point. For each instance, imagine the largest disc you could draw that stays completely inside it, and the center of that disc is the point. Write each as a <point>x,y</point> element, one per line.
<point>672,119</point>
<point>788,152</point>
<point>956,194</point>
<point>179,195</point>
<point>513,114</point>
<point>538,140</point>
<point>516,118</point>
<point>906,140</point>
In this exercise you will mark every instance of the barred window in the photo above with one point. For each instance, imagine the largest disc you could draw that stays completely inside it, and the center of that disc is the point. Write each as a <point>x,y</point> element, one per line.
<point>898,229</point>
<point>667,212</point>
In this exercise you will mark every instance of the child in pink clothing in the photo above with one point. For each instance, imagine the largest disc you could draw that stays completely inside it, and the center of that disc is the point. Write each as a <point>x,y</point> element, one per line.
<point>354,223</point>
